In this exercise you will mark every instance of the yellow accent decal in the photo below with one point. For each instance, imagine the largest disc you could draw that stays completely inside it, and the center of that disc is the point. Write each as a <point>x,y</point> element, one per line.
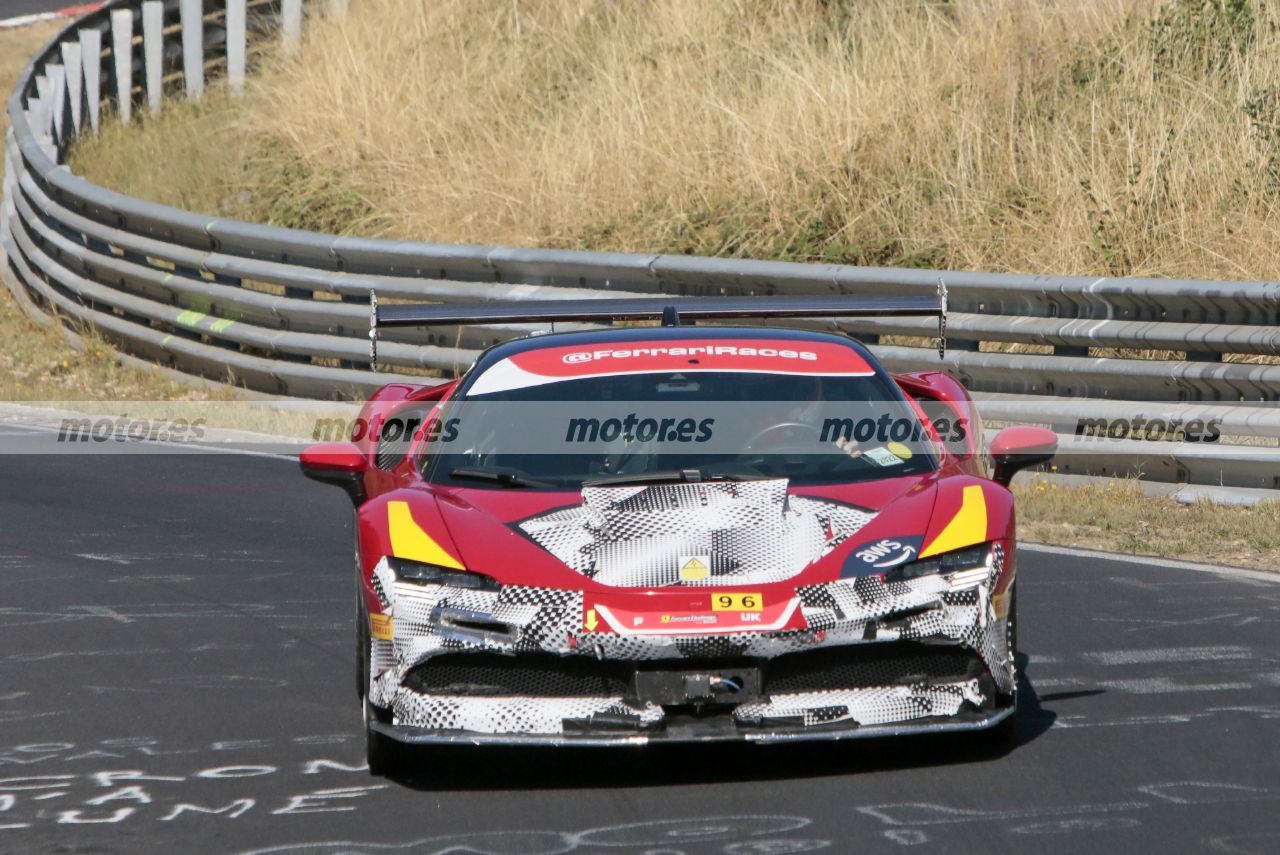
<point>381,626</point>
<point>191,317</point>
<point>408,540</point>
<point>1000,603</point>
<point>900,450</point>
<point>591,622</point>
<point>967,527</point>
<point>220,324</point>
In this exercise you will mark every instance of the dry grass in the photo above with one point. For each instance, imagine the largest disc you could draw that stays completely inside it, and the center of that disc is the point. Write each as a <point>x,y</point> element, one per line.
<point>1098,136</point>
<point>39,364</point>
<point>190,156</point>
<point>1118,518</point>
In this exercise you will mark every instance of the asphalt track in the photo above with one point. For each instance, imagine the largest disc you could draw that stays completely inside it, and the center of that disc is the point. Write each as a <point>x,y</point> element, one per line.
<point>14,8</point>
<point>176,674</point>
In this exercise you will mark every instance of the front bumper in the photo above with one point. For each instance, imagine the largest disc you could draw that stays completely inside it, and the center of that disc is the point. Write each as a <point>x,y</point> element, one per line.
<point>437,624</point>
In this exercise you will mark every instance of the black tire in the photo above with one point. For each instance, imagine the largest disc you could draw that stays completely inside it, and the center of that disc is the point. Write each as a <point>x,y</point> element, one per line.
<point>363,642</point>
<point>362,619</point>
<point>381,753</point>
<point>1012,626</point>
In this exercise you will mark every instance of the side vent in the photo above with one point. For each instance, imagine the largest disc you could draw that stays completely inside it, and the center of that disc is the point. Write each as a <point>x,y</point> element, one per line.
<point>395,435</point>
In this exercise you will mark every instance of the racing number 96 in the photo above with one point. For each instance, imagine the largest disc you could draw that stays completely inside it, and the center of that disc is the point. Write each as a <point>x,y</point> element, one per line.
<point>737,602</point>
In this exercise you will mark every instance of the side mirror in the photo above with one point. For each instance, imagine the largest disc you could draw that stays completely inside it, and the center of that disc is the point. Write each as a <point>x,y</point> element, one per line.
<point>341,464</point>
<point>1018,447</point>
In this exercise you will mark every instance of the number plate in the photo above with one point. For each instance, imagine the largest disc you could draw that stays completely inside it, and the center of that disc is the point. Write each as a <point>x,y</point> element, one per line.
<point>737,602</point>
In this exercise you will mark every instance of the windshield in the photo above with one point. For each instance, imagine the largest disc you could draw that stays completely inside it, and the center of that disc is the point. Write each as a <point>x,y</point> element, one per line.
<point>679,426</point>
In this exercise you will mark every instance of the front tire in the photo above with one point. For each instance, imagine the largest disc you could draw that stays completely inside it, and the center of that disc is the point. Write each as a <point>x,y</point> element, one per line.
<point>381,753</point>
<point>363,645</point>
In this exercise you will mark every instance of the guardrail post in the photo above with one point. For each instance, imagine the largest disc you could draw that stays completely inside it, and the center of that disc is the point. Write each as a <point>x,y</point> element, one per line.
<point>153,51</point>
<point>91,59</point>
<point>42,110</point>
<point>57,100</point>
<point>291,24</point>
<point>235,45</point>
<point>122,50</point>
<point>1069,350</point>
<point>191,14</point>
<point>34,118</point>
<point>75,80</point>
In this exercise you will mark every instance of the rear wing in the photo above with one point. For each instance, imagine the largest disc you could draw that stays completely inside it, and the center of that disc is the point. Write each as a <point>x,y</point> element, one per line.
<point>671,311</point>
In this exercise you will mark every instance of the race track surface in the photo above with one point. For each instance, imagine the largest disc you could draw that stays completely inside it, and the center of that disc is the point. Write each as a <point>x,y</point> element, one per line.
<point>14,8</point>
<point>176,673</point>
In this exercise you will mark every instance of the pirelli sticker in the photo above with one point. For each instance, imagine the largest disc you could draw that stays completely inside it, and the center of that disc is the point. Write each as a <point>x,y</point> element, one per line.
<point>381,626</point>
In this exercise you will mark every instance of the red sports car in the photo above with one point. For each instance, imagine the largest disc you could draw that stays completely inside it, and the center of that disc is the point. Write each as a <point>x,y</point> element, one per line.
<point>639,534</point>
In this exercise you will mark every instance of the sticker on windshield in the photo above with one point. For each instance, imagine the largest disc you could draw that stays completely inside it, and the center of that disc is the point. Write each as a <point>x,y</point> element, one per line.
<point>746,355</point>
<point>883,457</point>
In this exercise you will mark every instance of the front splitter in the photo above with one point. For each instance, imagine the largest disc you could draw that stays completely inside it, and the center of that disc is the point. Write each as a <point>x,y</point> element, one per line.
<point>710,730</point>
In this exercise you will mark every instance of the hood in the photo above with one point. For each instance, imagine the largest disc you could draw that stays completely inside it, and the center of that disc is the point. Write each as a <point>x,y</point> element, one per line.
<point>751,532</point>
<point>662,535</point>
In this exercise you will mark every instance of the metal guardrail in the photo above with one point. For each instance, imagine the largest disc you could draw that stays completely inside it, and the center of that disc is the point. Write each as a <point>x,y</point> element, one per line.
<point>285,312</point>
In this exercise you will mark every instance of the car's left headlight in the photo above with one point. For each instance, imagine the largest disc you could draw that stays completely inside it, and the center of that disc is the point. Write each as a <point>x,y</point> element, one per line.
<point>420,573</point>
<point>967,567</point>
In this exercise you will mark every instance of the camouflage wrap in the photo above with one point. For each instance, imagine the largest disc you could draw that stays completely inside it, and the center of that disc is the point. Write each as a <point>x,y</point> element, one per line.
<point>955,608</point>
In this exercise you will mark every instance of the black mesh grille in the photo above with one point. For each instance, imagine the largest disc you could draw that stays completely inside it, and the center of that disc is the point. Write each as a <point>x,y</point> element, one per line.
<point>861,665</point>
<point>530,675</point>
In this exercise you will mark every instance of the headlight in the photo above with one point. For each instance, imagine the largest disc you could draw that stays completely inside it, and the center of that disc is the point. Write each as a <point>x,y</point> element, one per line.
<point>431,574</point>
<point>971,563</point>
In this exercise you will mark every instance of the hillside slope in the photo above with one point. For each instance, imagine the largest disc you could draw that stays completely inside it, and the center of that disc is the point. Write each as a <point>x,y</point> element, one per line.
<point>1097,136</point>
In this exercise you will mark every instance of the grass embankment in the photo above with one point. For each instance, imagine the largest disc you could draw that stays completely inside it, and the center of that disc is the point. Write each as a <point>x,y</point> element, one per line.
<point>1118,137</point>
<point>1100,136</point>
<point>1119,518</point>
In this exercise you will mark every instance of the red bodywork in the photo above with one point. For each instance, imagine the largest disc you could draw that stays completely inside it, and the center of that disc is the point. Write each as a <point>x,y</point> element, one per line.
<point>476,526</point>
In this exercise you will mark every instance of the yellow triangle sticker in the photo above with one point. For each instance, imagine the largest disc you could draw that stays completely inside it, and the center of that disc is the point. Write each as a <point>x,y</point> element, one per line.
<point>694,567</point>
<point>410,542</point>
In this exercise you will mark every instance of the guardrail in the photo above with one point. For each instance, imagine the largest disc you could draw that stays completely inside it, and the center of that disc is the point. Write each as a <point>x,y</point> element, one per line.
<point>286,312</point>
